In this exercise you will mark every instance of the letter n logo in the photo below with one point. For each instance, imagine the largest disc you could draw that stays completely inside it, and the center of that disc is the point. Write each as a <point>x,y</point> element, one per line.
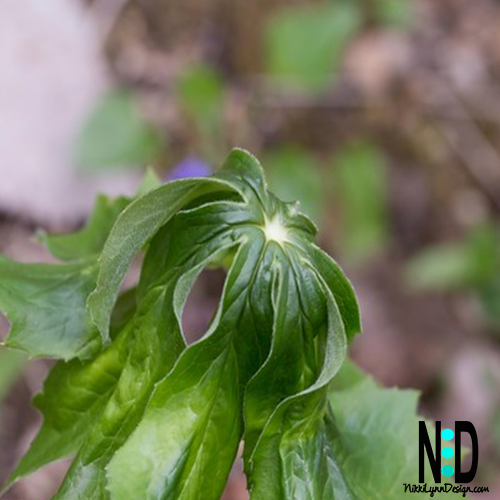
<point>424,446</point>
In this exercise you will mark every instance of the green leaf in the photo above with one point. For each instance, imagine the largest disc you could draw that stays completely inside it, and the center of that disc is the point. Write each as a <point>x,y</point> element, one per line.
<point>360,174</point>
<point>489,296</point>
<point>444,267</point>
<point>149,182</point>
<point>151,353</point>
<point>374,437</point>
<point>89,241</point>
<point>116,135</point>
<point>73,399</point>
<point>46,306</point>
<point>305,44</point>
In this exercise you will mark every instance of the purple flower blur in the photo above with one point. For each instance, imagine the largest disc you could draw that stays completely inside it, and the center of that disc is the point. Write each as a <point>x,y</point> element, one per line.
<point>191,166</point>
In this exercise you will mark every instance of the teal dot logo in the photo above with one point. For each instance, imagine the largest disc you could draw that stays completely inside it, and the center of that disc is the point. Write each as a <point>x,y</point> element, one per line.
<point>447,470</point>
<point>447,452</point>
<point>447,434</point>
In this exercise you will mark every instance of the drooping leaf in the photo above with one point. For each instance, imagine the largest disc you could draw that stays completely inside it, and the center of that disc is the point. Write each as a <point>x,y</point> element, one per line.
<point>156,327</point>
<point>150,352</point>
<point>340,287</point>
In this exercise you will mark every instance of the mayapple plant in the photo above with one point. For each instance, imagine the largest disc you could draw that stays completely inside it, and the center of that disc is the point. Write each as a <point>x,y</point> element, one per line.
<point>147,417</point>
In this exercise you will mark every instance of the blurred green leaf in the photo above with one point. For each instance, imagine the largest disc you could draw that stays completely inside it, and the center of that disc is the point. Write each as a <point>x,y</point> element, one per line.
<point>116,135</point>
<point>469,263</point>
<point>293,175</point>
<point>305,43</point>
<point>394,13</point>
<point>443,267</point>
<point>200,91</point>
<point>489,296</point>
<point>361,188</point>
<point>11,365</point>
<point>472,264</point>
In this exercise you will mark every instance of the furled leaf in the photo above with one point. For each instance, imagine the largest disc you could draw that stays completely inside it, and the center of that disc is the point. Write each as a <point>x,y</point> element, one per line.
<point>195,412</point>
<point>292,457</point>
<point>135,226</point>
<point>156,327</point>
<point>151,353</point>
<point>340,287</point>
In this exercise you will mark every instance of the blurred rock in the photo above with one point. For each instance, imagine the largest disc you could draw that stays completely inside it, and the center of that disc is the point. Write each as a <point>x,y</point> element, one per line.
<point>52,72</point>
